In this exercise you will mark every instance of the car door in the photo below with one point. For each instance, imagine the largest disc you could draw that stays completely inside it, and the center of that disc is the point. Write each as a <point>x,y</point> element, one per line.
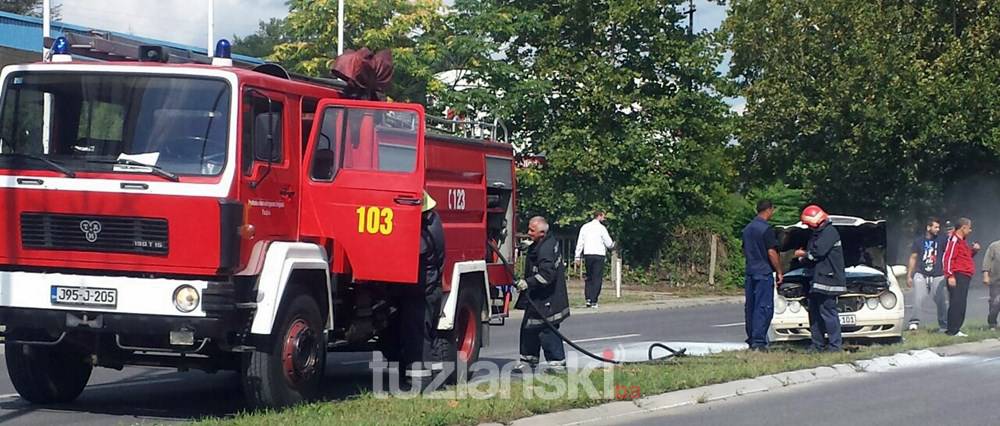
<point>363,186</point>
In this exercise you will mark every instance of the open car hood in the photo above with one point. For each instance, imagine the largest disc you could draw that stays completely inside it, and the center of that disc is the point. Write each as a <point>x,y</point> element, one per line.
<point>864,244</point>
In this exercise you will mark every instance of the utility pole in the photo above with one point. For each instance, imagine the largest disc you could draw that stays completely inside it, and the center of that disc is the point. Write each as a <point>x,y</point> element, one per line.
<point>690,14</point>
<point>211,28</point>
<point>340,27</point>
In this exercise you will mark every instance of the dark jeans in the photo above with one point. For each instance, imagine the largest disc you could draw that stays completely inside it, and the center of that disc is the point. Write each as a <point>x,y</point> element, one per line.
<point>957,300</point>
<point>824,322</point>
<point>540,338</point>
<point>595,277</point>
<point>759,308</point>
<point>994,303</point>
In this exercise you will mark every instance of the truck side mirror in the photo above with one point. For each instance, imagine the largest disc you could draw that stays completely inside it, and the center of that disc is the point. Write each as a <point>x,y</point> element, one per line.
<point>323,165</point>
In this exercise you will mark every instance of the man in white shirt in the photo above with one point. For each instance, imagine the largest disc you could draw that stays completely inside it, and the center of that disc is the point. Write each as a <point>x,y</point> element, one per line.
<point>591,247</point>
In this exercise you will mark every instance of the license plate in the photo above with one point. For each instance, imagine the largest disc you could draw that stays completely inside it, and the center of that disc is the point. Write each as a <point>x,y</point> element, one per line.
<point>848,320</point>
<point>84,296</point>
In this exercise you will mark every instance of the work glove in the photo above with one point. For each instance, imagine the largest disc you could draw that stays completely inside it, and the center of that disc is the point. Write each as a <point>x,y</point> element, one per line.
<point>522,285</point>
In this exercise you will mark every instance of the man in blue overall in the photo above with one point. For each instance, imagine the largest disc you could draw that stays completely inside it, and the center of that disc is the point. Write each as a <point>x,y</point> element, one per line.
<point>760,247</point>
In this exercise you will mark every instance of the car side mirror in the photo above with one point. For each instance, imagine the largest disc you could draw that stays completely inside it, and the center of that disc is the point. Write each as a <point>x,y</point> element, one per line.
<point>323,165</point>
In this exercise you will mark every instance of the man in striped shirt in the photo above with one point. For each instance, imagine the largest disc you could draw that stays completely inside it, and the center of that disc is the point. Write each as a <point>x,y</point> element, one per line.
<point>958,270</point>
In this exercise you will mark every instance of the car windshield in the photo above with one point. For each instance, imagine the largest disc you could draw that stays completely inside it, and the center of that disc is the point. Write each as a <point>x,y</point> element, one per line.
<point>93,121</point>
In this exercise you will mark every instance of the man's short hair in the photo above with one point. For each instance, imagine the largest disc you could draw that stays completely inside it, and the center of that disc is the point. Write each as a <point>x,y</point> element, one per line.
<point>598,213</point>
<point>964,221</point>
<point>540,223</point>
<point>764,205</point>
<point>932,220</point>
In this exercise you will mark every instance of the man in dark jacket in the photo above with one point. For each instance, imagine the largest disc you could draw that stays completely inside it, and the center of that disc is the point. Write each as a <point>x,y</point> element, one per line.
<point>825,254</point>
<point>421,307</point>
<point>544,279</point>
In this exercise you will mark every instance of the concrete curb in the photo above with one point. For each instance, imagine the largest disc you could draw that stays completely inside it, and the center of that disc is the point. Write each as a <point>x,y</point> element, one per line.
<point>721,391</point>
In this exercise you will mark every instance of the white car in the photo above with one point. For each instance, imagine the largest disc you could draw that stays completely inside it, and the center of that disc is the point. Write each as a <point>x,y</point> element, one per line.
<point>873,306</point>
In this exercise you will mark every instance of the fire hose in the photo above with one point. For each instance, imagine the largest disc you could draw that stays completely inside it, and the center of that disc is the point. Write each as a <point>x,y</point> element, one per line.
<point>510,270</point>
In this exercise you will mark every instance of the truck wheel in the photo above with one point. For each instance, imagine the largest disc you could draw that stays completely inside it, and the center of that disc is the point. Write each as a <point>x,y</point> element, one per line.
<point>47,374</point>
<point>468,326</point>
<point>291,370</point>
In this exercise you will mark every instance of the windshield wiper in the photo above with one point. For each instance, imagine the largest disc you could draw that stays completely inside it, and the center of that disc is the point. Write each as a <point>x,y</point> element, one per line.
<point>152,169</point>
<point>52,164</point>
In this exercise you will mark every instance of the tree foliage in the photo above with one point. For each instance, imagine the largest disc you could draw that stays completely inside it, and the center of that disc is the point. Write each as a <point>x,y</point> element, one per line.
<point>261,43</point>
<point>617,97</point>
<point>873,107</point>
<point>28,7</point>
<point>405,26</point>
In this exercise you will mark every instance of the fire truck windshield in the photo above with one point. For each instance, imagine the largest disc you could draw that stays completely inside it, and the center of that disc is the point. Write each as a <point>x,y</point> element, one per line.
<point>112,122</point>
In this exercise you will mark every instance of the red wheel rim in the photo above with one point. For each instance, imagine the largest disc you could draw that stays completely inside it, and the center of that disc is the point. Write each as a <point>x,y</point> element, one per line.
<point>466,333</point>
<point>298,354</point>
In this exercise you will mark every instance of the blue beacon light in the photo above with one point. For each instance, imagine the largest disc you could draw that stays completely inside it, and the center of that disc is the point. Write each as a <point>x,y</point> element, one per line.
<point>223,49</point>
<point>60,51</point>
<point>60,46</point>
<point>223,54</point>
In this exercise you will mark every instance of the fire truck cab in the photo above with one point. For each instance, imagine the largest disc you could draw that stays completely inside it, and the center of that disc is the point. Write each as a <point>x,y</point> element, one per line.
<point>214,217</point>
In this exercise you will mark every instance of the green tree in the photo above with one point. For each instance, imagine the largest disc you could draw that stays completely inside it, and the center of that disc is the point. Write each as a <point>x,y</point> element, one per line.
<point>872,107</point>
<point>619,99</point>
<point>404,26</point>
<point>261,43</point>
<point>27,7</point>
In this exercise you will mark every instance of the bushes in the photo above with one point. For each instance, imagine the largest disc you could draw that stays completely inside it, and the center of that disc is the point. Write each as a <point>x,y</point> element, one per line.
<point>683,261</point>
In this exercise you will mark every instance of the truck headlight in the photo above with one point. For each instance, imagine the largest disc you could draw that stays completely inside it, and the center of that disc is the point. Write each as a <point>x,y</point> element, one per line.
<point>186,298</point>
<point>794,306</point>
<point>871,302</point>
<point>780,304</point>
<point>887,299</point>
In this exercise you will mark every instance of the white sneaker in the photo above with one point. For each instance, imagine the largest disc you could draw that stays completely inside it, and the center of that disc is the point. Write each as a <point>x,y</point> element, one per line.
<point>961,334</point>
<point>913,326</point>
<point>942,330</point>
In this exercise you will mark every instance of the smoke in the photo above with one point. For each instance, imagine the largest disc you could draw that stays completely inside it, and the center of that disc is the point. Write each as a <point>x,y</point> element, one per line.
<point>977,198</point>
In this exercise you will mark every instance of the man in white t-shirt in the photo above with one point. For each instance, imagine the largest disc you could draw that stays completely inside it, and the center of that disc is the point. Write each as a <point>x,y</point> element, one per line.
<point>591,247</point>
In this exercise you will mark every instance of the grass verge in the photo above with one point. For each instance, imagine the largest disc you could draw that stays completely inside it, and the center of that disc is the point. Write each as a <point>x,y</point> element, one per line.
<point>644,379</point>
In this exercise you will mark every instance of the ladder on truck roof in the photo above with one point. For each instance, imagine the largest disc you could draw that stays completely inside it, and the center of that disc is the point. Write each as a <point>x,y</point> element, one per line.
<point>474,130</point>
<point>103,46</point>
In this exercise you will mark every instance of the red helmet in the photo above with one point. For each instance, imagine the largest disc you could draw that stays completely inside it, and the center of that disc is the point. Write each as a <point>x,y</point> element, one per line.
<point>813,216</point>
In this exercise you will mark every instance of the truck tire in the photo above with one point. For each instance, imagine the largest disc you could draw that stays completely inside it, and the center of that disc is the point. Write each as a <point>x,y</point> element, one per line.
<point>291,370</point>
<point>468,331</point>
<point>47,374</point>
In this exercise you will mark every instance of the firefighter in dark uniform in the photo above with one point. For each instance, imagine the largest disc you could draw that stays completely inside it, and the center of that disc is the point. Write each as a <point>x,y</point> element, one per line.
<point>825,254</point>
<point>544,279</point>
<point>423,346</point>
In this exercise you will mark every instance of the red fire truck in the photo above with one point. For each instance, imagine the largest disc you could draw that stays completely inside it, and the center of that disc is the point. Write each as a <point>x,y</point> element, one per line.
<point>159,210</point>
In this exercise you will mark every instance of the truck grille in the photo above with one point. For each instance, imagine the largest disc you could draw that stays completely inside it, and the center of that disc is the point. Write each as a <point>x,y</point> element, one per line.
<point>94,233</point>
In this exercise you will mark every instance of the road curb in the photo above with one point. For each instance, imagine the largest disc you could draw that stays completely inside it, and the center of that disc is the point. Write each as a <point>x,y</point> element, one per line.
<point>722,391</point>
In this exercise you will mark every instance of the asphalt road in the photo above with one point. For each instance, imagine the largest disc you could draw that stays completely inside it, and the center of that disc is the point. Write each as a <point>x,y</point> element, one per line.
<point>136,395</point>
<point>959,391</point>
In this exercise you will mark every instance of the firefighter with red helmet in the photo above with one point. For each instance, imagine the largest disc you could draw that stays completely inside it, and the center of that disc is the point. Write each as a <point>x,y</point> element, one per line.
<point>825,255</point>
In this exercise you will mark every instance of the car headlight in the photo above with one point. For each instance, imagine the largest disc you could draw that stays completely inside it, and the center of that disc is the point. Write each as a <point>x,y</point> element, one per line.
<point>794,306</point>
<point>780,304</point>
<point>871,302</point>
<point>887,299</point>
<point>186,298</point>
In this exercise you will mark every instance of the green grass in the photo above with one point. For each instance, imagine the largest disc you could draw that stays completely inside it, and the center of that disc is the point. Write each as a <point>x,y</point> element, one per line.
<point>650,379</point>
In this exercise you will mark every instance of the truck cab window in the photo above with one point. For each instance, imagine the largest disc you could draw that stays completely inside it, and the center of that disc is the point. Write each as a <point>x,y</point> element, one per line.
<point>261,119</point>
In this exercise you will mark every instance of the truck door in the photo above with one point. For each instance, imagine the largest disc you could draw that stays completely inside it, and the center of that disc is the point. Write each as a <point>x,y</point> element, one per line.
<point>363,183</point>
